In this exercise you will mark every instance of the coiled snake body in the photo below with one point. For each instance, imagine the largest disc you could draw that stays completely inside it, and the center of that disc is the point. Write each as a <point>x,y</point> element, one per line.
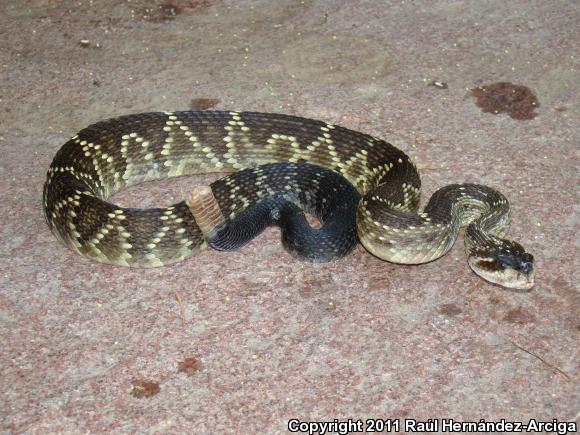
<point>110,155</point>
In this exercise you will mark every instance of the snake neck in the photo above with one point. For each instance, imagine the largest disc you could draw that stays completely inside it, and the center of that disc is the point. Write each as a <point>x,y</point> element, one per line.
<point>399,234</point>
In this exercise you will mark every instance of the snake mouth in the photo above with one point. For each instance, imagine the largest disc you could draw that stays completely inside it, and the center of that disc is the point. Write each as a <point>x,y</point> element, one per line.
<point>521,282</point>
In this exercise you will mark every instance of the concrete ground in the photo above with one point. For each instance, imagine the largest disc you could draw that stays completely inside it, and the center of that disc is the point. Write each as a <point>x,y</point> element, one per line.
<point>242,342</point>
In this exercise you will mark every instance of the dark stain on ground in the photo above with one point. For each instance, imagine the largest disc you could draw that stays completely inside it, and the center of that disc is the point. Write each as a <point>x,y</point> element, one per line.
<point>518,315</point>
<point>517,101</point>
<point>141,388</point>
<point>450,310</point>
<point>203,103</point>
<point>189,366</point>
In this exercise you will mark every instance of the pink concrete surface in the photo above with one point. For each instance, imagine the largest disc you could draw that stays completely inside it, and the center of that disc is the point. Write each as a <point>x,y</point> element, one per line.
<point>241,342</point>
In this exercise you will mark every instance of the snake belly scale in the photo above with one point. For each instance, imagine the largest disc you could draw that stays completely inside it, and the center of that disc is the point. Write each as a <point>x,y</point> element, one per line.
<point>116,153</point>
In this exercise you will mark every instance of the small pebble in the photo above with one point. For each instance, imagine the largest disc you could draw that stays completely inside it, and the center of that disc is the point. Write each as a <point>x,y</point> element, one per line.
<point>439,84</point>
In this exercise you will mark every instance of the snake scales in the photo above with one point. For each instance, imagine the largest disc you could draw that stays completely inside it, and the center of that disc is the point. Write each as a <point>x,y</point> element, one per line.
<point>112,154</point>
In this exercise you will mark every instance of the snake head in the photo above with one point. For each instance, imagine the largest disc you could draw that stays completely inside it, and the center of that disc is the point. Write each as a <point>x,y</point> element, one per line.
<point>506,264</point>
